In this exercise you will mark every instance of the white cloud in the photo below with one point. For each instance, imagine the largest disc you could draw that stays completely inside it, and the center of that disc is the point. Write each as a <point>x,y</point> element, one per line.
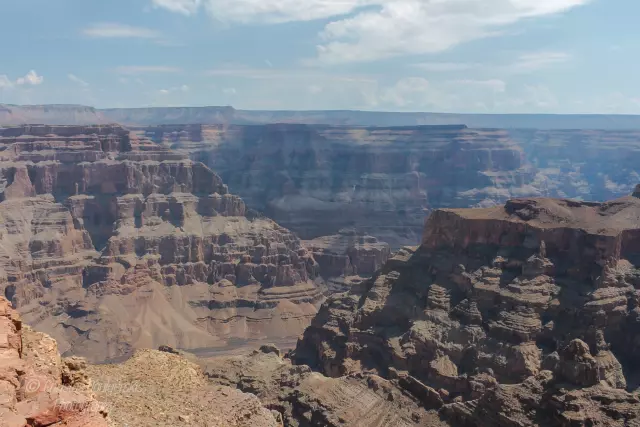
<point>315,89</point>
<point>114,30</point>
<point>5,82</point>
<point>537,60</point>
<point>32,78</point>
<point>229,91</point>
<point>77,80</point>
<point>146,69</point>
<point>376,29</point>
<point>183,88</point>
<point>424,26</point>
<point>186,7</point>
<point>266,11</point>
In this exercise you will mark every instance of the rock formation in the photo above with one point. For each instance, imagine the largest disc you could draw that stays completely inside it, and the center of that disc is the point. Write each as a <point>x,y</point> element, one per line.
<point>110,242</point>
<point>301,397</point>
<point>348,254</point>
<point>156,388</point>
<point>525,314</point>
<point>37,387</point>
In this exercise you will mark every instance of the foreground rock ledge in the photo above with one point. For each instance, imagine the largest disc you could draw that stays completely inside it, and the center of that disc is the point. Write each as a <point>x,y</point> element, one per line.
<point>37,387</point>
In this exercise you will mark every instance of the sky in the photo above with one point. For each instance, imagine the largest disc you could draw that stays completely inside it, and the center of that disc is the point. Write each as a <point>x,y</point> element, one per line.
<point>465,56</point>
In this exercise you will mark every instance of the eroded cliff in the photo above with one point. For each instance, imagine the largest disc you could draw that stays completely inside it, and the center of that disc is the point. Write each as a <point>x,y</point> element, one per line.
<point>525,314</point>
<point>110,242</point>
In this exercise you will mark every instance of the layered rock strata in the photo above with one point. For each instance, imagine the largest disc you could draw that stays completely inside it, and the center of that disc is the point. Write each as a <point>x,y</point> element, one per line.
<point>110,242</point>
<point>520,315</point>
<point>348,254</point>
<point>317,180</point>
<point>301,397</point>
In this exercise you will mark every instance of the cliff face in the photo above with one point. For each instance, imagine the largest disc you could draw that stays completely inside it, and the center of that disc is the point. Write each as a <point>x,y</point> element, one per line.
<point>502,316</point>
<point>109,243</point>
<point>318,179</point>
<point>592,165</point>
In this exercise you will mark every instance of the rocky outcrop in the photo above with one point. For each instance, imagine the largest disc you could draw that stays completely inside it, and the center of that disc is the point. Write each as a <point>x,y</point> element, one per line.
<point>301,397</point>
<point>110,242</point>
<point>348,254</point>
<point>496,310</point>
<point>156,388</point>
<point>35,387</point>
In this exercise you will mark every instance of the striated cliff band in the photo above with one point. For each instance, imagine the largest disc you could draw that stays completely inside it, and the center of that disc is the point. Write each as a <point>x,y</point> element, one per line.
<point>110,242</point>
<point>519,315</point>
<point>226,115</point>
<point>317,180</point>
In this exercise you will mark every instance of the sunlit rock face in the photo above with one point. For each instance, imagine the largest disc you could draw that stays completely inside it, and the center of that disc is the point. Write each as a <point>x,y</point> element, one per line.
<point>110,242</point>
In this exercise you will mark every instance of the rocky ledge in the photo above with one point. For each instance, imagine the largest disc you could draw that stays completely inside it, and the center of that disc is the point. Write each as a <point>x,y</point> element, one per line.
<point>37,387</point>
<point>520,315</point>
<point>110,242</point>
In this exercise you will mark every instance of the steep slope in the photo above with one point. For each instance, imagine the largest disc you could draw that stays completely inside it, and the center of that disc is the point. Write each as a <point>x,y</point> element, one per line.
<point>523,315</point>
<point>110,243</point>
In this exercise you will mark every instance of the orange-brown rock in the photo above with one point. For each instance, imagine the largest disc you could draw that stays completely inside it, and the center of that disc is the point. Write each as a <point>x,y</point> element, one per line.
<point>33,390</point>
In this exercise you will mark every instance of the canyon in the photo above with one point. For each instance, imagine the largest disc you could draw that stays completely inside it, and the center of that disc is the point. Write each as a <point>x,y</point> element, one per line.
<point>432,276</point>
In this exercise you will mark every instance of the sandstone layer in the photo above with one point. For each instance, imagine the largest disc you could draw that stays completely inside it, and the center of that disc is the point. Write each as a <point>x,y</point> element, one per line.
<point>111,242</point>
<point>520,315</point>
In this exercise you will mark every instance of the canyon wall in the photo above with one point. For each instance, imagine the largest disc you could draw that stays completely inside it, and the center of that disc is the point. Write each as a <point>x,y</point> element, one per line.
<point>317,180</point>
<point>523,314</point>
<point>215,115</point>
<point>110,242</point>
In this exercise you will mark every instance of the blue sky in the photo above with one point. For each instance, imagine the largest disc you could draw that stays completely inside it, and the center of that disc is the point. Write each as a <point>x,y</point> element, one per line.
<point>483,56</point>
